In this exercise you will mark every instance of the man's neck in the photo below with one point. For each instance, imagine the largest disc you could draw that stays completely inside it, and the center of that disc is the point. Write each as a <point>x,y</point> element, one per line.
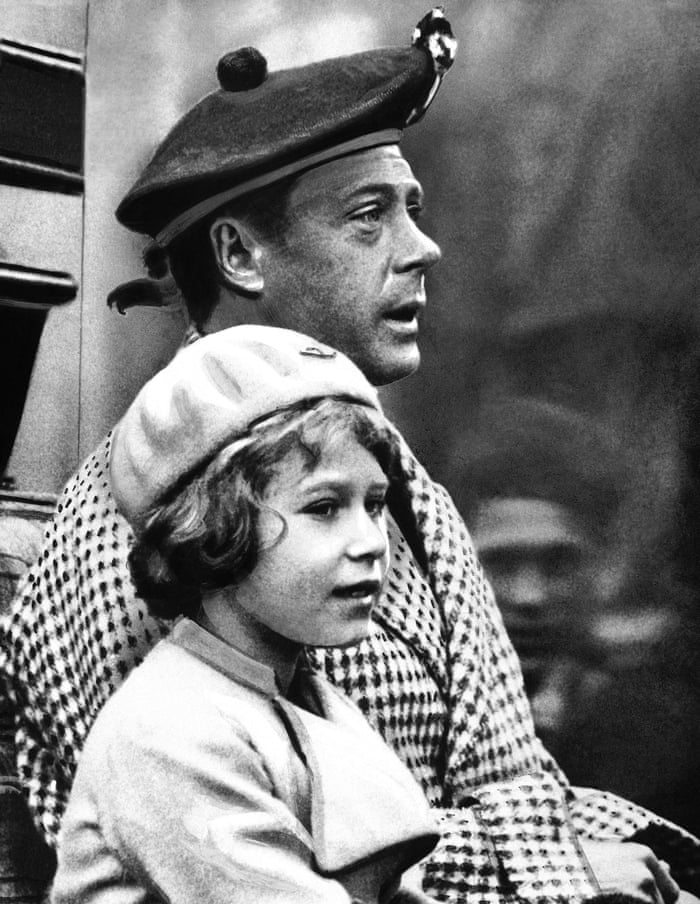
<point>234,311</point>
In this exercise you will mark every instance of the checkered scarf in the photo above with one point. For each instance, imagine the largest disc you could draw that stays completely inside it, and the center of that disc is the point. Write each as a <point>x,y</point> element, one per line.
<point>437,677</point>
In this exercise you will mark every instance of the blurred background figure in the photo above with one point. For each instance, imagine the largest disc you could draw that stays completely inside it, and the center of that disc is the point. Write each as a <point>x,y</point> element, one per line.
<point>540,487</point>
<point>535,552</point>
<point>603,639</point>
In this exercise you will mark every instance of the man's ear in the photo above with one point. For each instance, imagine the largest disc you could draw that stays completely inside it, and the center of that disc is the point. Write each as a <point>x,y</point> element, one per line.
<point>237,255</point>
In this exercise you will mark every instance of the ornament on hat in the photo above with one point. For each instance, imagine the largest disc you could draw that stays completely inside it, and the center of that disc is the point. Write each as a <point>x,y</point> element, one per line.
<point>433,35</point>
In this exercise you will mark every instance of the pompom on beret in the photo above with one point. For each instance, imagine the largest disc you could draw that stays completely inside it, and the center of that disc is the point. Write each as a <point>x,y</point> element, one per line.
<point>242,70</point>
<point>209,395</point>
<point>260,127</point>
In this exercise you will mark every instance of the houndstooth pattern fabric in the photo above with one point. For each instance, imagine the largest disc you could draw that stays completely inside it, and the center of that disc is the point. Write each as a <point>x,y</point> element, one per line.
<point>75,631</point>
<point>517,829</point>
<point>437,677</point>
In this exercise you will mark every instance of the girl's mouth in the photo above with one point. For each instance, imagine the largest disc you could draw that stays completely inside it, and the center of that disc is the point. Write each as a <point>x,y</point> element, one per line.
<point>361,590</point>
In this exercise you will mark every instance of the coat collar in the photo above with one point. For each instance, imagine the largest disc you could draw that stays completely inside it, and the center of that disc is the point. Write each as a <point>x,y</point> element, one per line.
<point>225,658</point>
<point>363,799</point>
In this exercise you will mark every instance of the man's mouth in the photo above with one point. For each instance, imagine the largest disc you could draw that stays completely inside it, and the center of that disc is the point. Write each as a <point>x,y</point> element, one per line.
<point>404,316</point>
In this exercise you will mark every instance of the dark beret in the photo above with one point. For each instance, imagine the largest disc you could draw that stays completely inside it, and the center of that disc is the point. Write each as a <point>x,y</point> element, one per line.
<point>259,127</point>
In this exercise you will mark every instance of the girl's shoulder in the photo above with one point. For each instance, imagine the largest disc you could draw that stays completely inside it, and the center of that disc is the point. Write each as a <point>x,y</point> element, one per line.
<point>174,702</point>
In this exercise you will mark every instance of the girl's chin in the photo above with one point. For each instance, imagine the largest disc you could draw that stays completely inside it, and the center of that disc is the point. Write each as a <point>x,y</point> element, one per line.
<point>349,639</point>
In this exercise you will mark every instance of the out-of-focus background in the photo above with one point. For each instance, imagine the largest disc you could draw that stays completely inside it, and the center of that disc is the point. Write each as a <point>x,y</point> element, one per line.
<point>558,396</point>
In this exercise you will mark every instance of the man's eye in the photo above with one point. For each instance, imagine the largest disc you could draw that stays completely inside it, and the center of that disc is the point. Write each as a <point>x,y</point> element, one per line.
<point>369,216</point>
<point>415,211</point>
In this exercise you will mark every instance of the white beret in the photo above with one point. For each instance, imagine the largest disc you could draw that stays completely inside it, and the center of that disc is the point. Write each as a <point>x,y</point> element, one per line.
<point>209,395</point>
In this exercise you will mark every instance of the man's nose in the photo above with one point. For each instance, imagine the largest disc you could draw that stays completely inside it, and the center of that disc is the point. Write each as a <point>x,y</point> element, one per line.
<point>418,250</point>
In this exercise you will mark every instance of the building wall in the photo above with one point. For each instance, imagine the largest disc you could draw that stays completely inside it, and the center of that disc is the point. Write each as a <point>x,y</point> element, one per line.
<point>43,229</point>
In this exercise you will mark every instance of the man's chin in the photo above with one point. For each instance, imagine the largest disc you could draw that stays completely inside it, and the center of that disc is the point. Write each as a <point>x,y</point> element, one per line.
<point>392,368</point>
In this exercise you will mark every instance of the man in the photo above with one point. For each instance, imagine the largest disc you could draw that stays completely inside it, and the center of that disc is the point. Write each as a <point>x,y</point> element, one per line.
<point>284,199</point>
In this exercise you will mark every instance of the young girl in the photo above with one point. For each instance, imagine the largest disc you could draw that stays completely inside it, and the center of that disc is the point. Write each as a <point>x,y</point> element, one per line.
<point>254,471</point>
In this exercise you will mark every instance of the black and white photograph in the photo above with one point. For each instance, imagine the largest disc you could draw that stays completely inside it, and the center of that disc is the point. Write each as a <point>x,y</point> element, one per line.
<point>350,452</point>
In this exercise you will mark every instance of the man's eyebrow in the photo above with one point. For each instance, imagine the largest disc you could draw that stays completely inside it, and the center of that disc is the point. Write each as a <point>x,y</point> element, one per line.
<point>388,190</point>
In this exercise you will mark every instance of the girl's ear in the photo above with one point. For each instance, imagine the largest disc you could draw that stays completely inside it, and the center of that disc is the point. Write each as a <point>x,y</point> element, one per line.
<point>237,254</point>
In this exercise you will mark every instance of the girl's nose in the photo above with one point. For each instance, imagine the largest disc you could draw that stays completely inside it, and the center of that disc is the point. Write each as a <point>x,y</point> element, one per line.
<point>370,540</point>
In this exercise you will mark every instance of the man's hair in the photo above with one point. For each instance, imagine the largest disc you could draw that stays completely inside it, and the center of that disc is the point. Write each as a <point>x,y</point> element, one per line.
<point>191,255</point>
<point>204,534</point>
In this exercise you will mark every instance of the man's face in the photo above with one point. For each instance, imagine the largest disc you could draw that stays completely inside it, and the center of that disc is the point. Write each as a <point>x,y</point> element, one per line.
<point>352,266</point>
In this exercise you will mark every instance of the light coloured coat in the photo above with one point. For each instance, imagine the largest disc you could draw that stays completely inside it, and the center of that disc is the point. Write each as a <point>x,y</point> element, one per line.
<point>200,781</point>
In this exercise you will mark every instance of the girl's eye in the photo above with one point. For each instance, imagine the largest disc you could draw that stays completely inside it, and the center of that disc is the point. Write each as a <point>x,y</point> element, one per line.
<point>376,507</point>
<point>324,508</point>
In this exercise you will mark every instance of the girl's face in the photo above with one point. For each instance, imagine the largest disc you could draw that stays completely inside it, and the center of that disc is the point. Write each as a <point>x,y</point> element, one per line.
<point>316,584</point>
